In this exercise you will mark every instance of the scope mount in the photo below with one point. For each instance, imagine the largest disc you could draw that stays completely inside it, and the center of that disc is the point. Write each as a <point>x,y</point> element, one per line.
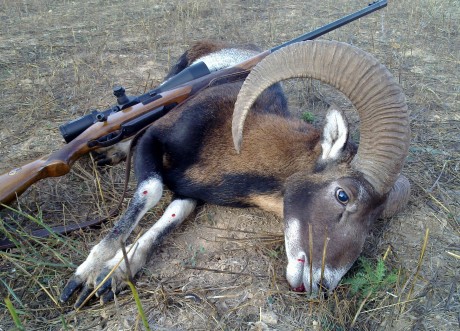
<point>123,100</point>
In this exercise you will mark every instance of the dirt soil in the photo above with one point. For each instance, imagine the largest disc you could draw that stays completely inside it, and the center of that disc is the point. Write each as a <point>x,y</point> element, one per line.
<point>224,268</point>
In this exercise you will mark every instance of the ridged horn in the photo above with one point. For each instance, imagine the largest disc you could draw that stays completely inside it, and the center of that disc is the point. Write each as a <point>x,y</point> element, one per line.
<point>379,100</point>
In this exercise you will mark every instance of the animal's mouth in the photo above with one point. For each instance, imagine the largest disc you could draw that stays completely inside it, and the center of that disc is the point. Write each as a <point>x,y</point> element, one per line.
<point>300,288</point>
<point>322,286</point>
<point>304,278</point>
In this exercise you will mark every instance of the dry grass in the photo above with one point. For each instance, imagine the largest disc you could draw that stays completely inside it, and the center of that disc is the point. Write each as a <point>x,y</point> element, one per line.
<point>224,269</point>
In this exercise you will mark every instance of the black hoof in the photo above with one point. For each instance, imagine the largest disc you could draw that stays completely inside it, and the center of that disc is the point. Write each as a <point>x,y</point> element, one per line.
<point>71,287</point>
<point>107,297</point>
<point>83,296</point>
<point>106,286</point>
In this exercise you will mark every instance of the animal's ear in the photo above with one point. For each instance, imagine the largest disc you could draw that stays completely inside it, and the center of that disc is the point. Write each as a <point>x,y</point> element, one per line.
<point>335,134</point>
<point>398,197</point>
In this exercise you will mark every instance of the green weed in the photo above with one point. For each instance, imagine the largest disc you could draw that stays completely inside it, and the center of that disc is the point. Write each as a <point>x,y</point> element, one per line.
<point>195,251</point>
<point>14,314</point>
<point>307,117</point>
<point>371,278</point>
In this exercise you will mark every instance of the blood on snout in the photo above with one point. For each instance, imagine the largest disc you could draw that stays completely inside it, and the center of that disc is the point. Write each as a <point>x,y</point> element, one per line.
<point>300,288</point>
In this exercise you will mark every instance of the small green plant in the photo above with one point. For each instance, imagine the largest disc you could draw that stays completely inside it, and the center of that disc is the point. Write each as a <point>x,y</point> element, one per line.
<point>276,252</point>
<point>14,314</point>
<point>307,117</point>
<point>370,278</point>
<point>195,252</point>
<point>140,309</point>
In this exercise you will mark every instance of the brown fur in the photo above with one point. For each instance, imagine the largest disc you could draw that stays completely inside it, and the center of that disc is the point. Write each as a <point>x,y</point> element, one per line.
<point>271,203</point>
<point>274,146</point>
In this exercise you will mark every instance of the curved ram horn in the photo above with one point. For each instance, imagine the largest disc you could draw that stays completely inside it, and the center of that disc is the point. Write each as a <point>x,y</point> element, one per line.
<point>380,102</point>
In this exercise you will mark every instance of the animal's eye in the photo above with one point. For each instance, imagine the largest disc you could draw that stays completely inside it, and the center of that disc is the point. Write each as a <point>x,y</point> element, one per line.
<point>342,196</point>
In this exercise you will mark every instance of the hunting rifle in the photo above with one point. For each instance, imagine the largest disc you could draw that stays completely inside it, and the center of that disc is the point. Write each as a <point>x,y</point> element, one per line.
<point>131,114</point>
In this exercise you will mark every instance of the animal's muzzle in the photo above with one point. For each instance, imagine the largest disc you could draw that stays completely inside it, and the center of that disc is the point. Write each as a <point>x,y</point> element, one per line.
<point>305,278</point>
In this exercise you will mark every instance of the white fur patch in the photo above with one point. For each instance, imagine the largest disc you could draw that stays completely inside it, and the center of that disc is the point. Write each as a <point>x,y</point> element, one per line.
<point>331,276</point>
<point>176,212</point>
<point>123,146</point>
<point>298,274</point>
<point>150,191</point>
<point>294,252</point>
<point>104,256</point>
<point>292,238</point>
<point>226,58</point>
<point>295,271</point>
<point>174,215</point>
<point>94,262</point>
<point>334,135</point>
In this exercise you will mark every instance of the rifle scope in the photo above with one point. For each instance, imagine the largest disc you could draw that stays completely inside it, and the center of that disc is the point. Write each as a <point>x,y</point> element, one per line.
<point>74,128</point>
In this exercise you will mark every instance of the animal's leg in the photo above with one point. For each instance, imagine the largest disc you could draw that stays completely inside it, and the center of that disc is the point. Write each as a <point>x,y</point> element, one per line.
<point>112,155</point>
<point>140,251</point>
<point>147,195</point>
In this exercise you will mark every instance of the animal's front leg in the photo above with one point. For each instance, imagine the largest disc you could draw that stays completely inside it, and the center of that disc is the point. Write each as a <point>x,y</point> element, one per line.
<point>147,195</point>
<point>140,251</point>
<point>112,155</point>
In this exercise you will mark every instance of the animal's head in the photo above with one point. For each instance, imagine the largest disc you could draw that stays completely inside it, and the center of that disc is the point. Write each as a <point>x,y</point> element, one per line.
<point>328,213</point>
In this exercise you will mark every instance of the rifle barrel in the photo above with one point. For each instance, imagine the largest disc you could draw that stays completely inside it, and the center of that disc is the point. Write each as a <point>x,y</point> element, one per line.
<point>335,25</point>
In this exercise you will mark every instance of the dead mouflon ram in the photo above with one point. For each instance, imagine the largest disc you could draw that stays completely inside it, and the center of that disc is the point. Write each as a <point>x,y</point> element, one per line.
<point>327,190</point>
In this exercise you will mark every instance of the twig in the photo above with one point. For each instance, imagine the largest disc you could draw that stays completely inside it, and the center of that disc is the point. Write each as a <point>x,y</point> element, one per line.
<point>437,179</point>
<point>323,262</point>
<point>433,198</point>
<point>453,254</point>
<point>129,275</point>
<point>419,265</point>
<point>225,272</point>
<point>310,248</point>
<point>359,309</point>
<point>388,306</point>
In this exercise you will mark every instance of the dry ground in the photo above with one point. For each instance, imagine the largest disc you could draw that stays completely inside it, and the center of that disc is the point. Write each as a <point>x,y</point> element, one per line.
<point>59,59</point>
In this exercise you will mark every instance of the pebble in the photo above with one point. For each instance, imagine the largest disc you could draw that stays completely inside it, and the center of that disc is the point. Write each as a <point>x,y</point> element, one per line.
<point>268,317</point>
